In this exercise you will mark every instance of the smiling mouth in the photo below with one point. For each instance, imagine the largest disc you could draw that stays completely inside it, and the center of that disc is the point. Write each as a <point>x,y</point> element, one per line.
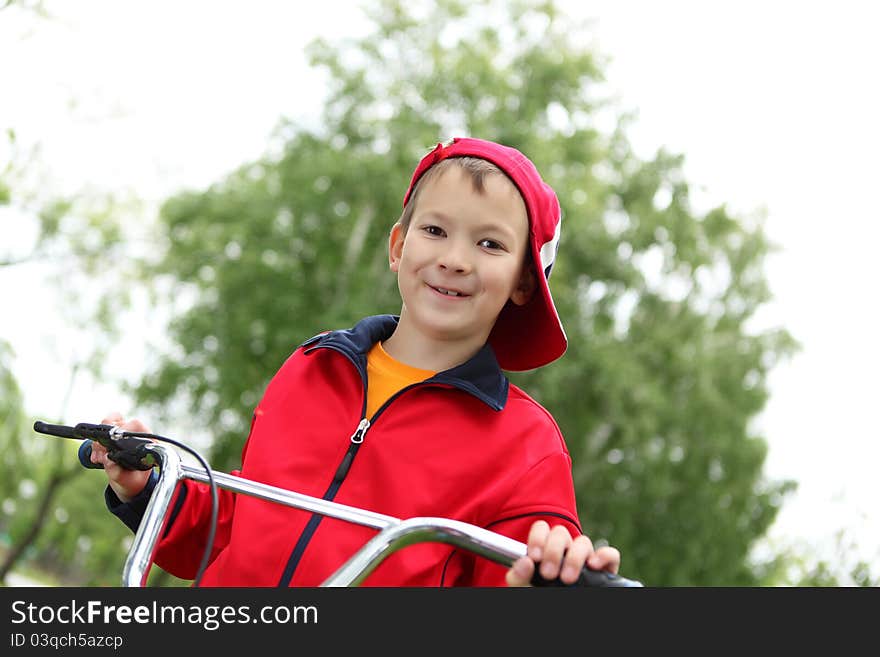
<point>446,292</point>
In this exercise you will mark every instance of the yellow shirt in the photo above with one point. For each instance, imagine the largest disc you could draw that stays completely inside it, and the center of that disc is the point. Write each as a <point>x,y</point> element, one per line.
<point>385,376</point>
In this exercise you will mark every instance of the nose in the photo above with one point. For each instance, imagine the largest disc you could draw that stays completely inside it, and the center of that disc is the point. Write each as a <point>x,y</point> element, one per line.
<point>455,257</point>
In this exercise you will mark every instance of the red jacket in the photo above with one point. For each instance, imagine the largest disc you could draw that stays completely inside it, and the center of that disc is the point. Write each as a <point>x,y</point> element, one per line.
<point>464,444</point>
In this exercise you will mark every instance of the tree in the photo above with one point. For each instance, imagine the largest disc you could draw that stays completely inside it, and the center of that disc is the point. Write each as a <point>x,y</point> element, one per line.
<point>12,426</point>
<point>47,514</point>
<point>12,421</point>
<point>41,490</point>
<point>663,373</point>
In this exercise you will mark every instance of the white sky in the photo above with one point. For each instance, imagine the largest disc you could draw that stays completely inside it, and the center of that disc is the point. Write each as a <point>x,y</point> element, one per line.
<point>775,106</point>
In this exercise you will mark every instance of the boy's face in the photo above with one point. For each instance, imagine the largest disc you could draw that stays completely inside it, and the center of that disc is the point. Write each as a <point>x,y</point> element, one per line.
<point>462,257</point>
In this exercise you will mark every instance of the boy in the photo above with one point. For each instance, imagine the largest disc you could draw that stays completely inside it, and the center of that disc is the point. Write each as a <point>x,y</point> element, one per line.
<point>409,416</point>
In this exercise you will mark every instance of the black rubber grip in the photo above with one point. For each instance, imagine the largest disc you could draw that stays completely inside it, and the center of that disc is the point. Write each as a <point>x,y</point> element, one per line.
<point>588,577</point>
<point>60,430</point>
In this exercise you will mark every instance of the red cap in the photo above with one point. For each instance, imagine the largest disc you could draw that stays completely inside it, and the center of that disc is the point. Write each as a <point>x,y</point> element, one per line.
<point>528,336</point>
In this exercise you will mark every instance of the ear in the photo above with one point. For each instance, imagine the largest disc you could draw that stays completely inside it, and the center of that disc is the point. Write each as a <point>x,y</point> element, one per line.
<point>525,287</point>
<point>395,247</point>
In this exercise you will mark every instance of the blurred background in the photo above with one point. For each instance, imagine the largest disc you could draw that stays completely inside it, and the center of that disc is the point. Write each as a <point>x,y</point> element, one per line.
<point>189,190</point>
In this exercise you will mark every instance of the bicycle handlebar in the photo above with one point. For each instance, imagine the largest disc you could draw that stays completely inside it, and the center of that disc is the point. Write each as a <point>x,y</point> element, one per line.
<point>136,453</point>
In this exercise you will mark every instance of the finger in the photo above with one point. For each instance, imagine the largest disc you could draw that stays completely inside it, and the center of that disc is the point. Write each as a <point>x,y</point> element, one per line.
<point>605,558</point>
<point>537,538</point>
<point>102,458</point>
<point>98,453</point>
<point>558,541</point>
<point>575,558</point>
<point>135,425</point>
<point>520,573</point>
<point>113,417</point>
<point>93,456</point>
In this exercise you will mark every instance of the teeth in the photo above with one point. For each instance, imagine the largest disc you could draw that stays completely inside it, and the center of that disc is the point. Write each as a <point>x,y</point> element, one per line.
<point>449,292</point>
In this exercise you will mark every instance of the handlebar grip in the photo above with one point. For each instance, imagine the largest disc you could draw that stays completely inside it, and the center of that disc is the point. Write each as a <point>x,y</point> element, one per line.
<point>85,453</point>
<point>588,577</point>
<point>60,430</point>
<point>129,452</point>
<point>63,431</point>
<point>99,432</point>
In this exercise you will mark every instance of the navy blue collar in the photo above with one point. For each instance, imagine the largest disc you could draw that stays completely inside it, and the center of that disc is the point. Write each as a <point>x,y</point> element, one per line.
<point>480,376</point>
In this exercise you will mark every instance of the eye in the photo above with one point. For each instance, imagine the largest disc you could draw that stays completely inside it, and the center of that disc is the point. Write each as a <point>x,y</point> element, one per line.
<point>433,230</point>
<point>491,244</point>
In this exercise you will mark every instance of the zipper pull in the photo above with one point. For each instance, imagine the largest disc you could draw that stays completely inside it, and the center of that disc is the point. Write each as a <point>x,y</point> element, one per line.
<point>358,435</point>
<point>356,438</point>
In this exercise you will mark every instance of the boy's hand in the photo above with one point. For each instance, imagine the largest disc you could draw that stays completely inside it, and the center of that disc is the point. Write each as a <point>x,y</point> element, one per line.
<point>547,546</point>
<point>125,483</point>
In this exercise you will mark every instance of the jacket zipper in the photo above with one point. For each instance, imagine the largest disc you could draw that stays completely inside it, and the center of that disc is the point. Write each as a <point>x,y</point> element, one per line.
<point>355,442</point>
<point>356,439</point>
<point>358,436</point>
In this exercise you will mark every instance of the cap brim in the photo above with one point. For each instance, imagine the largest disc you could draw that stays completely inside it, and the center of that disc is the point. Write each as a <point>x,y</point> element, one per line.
<point>529,336</point>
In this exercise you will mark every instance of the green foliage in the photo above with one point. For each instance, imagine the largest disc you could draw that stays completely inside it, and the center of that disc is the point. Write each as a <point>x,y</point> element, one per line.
<point>663,375</point>
<point>47,502</point>
<point>77,545</point>
<point>802,565</point>
<point>6,171</point>
<point>12,425</point>
<point>80,543</point>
